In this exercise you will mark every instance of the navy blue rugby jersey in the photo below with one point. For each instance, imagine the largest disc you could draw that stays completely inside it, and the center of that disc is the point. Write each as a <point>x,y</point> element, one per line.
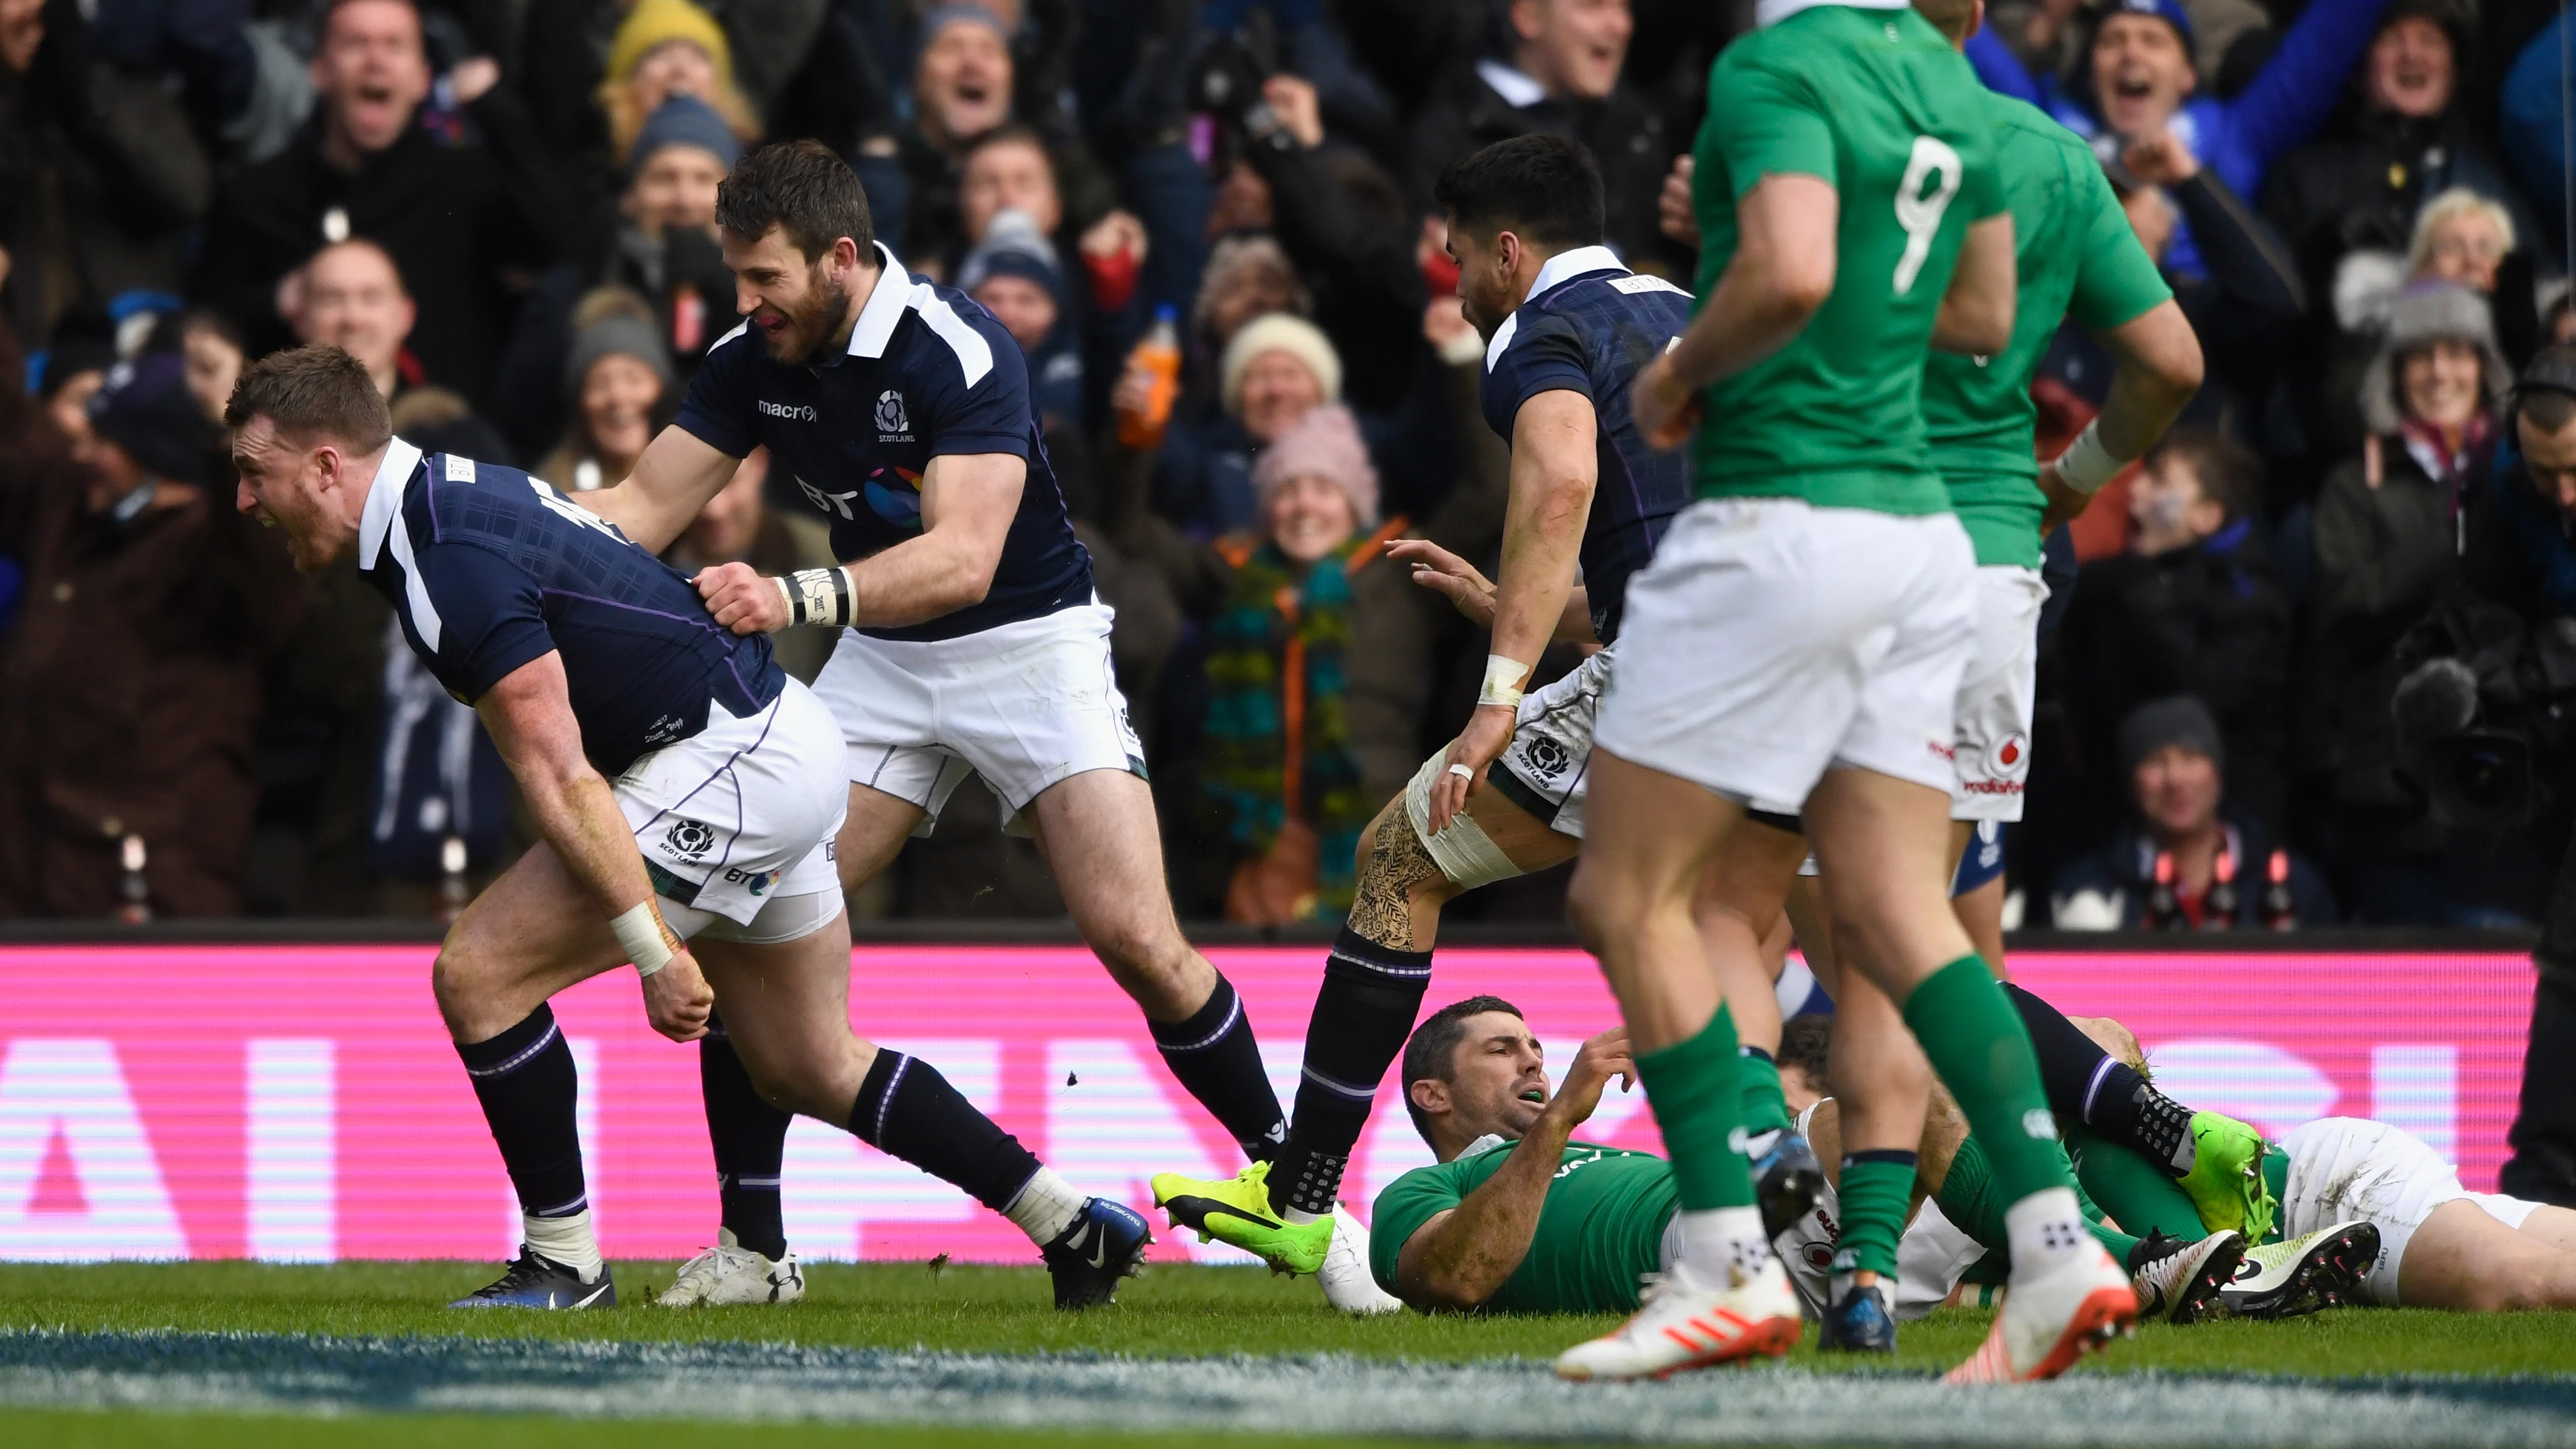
<point>927,372</point>
<point>489,568</point>
<point>1588,326</point>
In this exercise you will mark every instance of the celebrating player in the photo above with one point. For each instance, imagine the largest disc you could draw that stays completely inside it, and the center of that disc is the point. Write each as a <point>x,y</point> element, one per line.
<point>2075,256</point>
<point>686,790</point>
<point>975,643</point>
<point>1566,328</point>
<point>1796,649</point>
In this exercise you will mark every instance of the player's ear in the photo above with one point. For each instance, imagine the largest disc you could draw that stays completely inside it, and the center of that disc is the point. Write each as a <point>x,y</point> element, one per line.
<point>1431,1096</point>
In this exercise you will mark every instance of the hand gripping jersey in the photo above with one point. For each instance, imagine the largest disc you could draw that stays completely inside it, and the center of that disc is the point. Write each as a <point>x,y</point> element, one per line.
<point>1587,327</point>
<point>1869,97</point>
<point>2076,257</point>
<point>488,568</point>
<point>926,372</point>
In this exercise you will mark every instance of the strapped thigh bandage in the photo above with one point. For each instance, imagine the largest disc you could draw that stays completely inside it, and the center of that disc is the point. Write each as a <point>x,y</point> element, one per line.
<point>1464,853</point>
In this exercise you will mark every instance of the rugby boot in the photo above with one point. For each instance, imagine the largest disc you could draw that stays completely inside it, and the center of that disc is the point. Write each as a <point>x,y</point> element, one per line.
<point>1858,1321</point>
<point>2181,1282</point>
<point>2225,1183</point>
<point>730,1273</point>
<point>537,1281</point>
<point>1786,1179</point>
<point>1686,1324</point>
<point>2051,1319</point>
<point>1104,1243</point>
<point>1349,1284</point>
<point>2323,1269</point>
<point>1236,1210</point>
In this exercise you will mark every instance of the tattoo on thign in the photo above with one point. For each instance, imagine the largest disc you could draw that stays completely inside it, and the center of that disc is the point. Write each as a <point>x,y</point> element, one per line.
<point>1382,910</point>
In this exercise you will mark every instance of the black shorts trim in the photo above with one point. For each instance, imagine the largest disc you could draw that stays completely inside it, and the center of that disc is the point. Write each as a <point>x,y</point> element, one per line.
<point>1519,792</point>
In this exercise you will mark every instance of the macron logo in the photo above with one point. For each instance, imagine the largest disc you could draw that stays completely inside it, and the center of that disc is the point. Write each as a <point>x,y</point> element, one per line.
<point>792,412</point>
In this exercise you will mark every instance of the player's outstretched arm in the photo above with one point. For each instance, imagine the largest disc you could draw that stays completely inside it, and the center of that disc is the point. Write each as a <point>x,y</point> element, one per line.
<point>1463,584</point>
<point>967,503</point>
<point>1781,273</point>
<point>1462,1257</point>
<point>671,484</point>
<point>529,714</point>
<point>2155,370</point>
<point>1976,317</point>
<point>1555,465</point>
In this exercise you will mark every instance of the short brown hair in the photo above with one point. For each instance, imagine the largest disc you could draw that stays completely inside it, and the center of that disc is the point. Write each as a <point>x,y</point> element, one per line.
<point>804,190</point>
<point>1950,17</point>
<point>313,391</point>
<point>2230,475</point>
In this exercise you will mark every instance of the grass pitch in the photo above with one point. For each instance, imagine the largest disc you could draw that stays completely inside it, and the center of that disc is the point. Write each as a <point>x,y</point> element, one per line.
<point>1170,1312</point>
<point>211,1355</point>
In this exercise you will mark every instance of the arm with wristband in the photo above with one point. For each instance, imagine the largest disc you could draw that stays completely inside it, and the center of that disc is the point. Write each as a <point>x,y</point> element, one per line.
<point>529,714</point>
<point>1555,466</point>
<point>967,503</point>
<point>2155,355</point>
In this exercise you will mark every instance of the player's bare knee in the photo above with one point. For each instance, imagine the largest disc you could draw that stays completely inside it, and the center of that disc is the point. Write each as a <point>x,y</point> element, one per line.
<point>2114,1038</point>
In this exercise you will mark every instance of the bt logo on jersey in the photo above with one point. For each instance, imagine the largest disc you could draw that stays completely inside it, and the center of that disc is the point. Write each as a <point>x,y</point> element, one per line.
<point>792,412</point>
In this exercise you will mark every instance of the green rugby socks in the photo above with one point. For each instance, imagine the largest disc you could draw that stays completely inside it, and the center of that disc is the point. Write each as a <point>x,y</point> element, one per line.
<point>1876,1188</point>
<point>2134,1191</point>
<point>1694,1088</point>
<point>1983,1053</point>
<point>1766,1109</point>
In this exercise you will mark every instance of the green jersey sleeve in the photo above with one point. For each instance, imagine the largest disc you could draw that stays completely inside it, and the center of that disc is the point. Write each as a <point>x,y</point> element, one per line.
<point>1764,122</point>
<point>1403,1206</point>
<point>1981,183</point>
<point>2117,281</point>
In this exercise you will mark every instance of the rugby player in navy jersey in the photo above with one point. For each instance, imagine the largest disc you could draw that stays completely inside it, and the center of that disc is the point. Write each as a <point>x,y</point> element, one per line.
<point>686,791</point>
<point>973,641</point>
<point>1567,326</point>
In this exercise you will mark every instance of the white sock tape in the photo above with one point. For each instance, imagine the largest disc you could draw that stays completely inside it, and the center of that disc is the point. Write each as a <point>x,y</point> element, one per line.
<point>641,934</point>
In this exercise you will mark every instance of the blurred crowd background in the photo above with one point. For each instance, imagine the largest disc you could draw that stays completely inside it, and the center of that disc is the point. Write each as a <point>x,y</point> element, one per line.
<point>1209,226</point>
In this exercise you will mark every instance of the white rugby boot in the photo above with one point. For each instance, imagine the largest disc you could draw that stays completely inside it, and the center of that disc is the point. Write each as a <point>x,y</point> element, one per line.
<point>730,1273</point>
<point>1348,1283</point>
<point>2053,1318</point>
<point>1685,1324</point>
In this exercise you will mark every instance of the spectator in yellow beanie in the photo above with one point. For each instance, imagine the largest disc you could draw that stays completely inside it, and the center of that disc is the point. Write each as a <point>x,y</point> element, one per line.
<point>667,48</point>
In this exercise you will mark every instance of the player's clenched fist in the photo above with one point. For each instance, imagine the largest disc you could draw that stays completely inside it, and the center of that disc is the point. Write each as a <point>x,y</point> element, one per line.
<point>741,599</point>
<point>677,999</point>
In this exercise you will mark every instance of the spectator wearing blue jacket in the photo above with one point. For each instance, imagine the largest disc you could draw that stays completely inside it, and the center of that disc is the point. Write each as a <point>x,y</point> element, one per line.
<point>2535,123</point>
<point>2140,82</point>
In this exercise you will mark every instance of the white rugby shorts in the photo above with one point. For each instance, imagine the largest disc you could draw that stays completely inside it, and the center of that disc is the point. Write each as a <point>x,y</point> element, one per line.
<point>1542,770</point>
<point>743,812</point>
<point>2343,1168</point>
<point>1771,641</point>
<point>1931,1254</point>
<point>1997,693</point>
<point>1023,704</point>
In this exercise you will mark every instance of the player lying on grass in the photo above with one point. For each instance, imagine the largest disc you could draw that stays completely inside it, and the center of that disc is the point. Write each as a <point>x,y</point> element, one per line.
<point>685,789</point>
<point>1566,328</point>
<point>2437,1245</point>
<point>1519,1216</point>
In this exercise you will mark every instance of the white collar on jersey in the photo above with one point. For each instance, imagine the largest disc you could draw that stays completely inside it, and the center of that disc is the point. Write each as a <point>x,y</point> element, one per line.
<point>1772,12</point>
<point>885,306</point>
<point>1517,88</point>
<point>1563,267</point>
<point>384,499</point>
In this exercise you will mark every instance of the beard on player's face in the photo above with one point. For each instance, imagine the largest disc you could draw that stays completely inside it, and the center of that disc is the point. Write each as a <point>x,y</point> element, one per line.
<point>812,322</point>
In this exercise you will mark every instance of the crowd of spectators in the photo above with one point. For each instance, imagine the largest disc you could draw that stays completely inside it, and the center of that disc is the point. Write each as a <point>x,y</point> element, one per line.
<point>1208,223</point>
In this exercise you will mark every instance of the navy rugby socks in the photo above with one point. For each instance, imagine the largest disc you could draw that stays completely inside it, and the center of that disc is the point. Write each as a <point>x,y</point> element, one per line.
<point>525,1080</point>
<point>2089,1085</point>
<point>1363,1014</point>
<point>1214,1055</point>
<point>750,1141</point>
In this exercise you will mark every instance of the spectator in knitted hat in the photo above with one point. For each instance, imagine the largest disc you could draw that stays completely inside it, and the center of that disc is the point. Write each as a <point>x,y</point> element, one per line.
<point>2182,837</point>
<point>1014,274</point>
<point>2390,527</point>
<point>130,682</point>
<point>667,48</point>
<point>1275,371</point>
<point>617,379</point>
<point>667,249</point>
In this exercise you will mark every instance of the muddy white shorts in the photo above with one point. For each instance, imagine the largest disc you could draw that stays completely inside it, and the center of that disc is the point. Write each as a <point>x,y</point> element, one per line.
<point>2343,1168</point>
<point>1542,770</point>
<point>742,813</point>
<point>1024,705</point>
<point>1771,641</point>
<point>1996,696</point>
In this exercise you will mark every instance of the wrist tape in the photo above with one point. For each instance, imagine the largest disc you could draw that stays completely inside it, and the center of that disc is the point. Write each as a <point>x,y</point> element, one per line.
<point>2086,465</point>
<point>818,596</point>
<point>1502,682</point>
<point>644,939</point>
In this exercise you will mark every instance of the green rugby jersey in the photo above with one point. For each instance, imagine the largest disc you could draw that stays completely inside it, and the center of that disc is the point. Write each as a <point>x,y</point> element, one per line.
<point>1601,1229</point>
<point>1876,102</point>
<point>2077,257</point>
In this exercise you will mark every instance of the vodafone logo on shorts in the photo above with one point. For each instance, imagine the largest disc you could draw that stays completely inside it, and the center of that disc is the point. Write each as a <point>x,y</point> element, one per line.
<point>2009,757</point>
